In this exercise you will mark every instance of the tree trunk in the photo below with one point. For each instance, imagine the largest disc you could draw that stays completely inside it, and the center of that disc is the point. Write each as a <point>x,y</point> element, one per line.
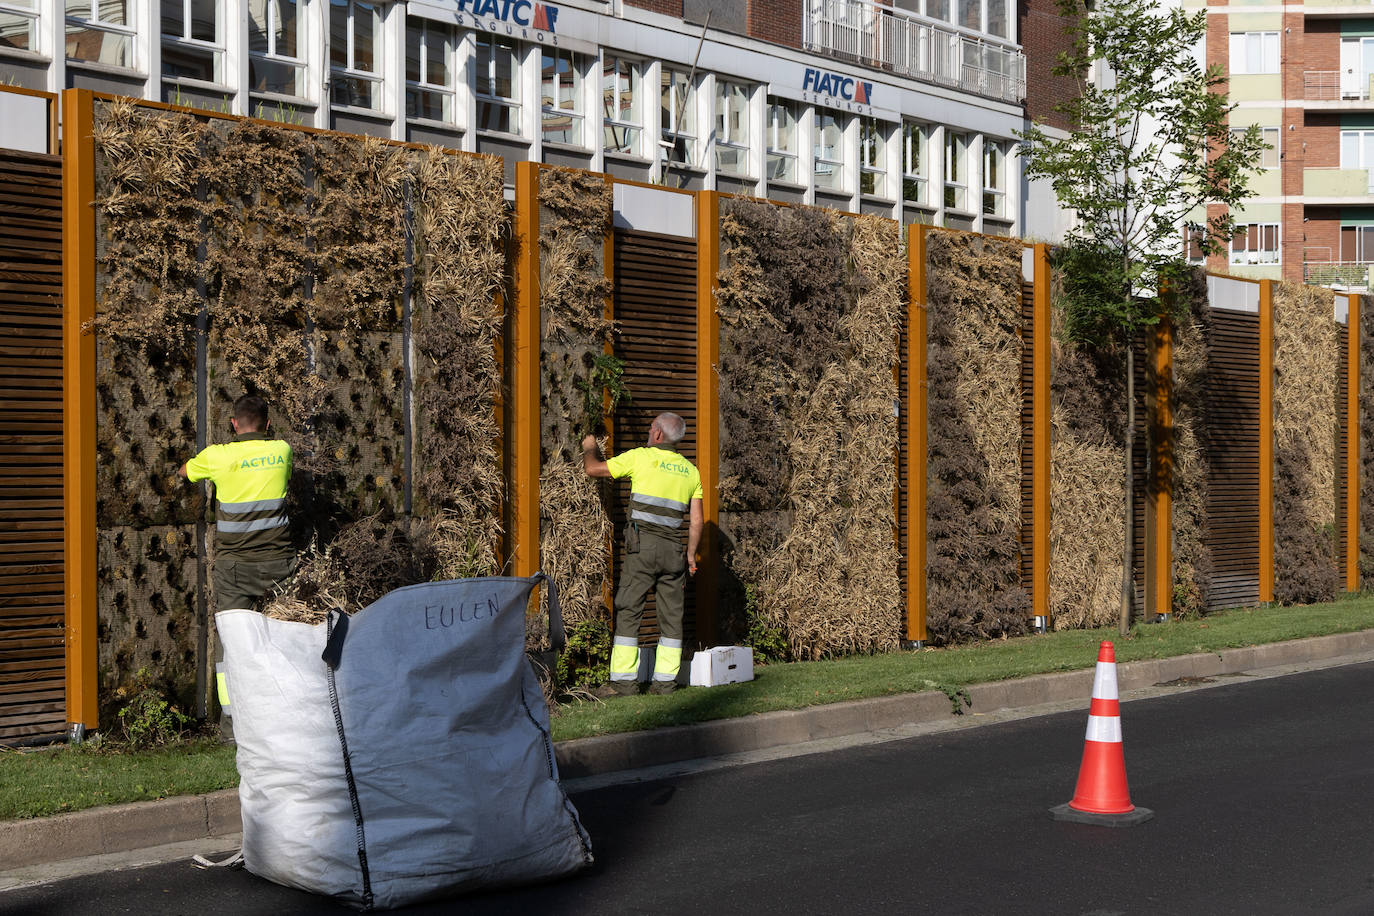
<point>1128,548</point>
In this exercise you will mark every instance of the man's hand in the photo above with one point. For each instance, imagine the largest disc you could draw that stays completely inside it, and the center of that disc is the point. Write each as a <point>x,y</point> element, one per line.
<point>691,563</point>
<point>588,443</point>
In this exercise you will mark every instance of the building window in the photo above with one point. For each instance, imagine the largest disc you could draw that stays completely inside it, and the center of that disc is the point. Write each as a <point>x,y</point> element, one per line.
<point>18,26</point>
<point>354,35</point>
<point>938,9</point>
<point>732,128</point>
<point>956,171</point>
<point>275,63</point>
<point>915,166</point>
<point>1254,52</point>
<point>99,31</point>
<point>994,178</point>
<point>970,14</point>
<point>1357,66</point>
<point>1269,156</point>
<point>1357,244</point>
<point>192,41</point>
<point>998,23</point>
<point>1255,243</point>
<point>430,87</point>
<point>784,151</point>
<point>620,94</point>
<point>677,115</point>
<point>873,156</point>
<point>1194,243</point>
<point>829,149</point>
<point>561,75</point>
<point>497,84</point>
<point>1357,149</point>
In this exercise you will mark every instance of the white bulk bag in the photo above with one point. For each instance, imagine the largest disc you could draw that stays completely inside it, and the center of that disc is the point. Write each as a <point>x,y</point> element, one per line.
<point>418,766</point>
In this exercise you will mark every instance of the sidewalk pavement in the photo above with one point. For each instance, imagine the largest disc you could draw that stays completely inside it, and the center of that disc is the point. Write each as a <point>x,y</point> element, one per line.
<point>118,833</point>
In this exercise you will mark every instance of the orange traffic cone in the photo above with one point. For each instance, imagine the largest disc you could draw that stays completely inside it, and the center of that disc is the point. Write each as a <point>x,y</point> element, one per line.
<point>1102,796</point>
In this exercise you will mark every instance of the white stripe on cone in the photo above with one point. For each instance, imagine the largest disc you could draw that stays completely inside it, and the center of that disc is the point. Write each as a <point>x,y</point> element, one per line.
<point>1104,728</point>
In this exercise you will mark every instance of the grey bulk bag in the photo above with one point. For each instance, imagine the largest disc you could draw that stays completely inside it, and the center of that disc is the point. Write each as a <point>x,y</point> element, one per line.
<point>400,754</point>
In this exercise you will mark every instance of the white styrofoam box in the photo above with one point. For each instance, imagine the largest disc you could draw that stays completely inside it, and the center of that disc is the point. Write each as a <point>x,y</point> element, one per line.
<point>722,665</point>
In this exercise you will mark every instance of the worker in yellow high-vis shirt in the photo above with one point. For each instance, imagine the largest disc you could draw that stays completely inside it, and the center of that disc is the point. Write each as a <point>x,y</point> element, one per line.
<point>665,491</point>
<point>253,550</point>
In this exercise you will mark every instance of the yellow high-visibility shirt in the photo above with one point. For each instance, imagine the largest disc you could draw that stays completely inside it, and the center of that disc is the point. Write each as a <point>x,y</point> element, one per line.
<point>662,487</point>
<point>250,476</point>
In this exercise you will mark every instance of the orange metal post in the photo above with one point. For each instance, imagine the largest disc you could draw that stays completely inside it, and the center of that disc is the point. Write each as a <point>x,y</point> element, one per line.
<point>524,384</point>
<point>1040,437</point>
<point>78,402</point>
<point>708,411</point>
<point>1160,579</point>
<point>1352,447</point>
<point>1266,442</point>
<point>916,435</point>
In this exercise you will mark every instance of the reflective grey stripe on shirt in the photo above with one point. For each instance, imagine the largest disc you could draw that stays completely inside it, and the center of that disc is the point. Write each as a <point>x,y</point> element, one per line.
<point>662,501</point>
<point>258,524</point>
<point>259,505</point>
<point>666,521</point>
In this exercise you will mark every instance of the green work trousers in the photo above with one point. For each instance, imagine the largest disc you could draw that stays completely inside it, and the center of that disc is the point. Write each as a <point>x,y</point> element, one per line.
<point>658,563</point>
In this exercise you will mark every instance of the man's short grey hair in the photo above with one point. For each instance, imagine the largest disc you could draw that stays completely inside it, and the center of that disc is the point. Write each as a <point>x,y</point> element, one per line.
<point>672,426</point>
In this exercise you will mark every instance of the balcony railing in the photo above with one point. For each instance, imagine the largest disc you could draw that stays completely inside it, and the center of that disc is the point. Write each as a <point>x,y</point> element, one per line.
<point>1335,86</point>
<point>888,39</point>
<point>1344,274</point>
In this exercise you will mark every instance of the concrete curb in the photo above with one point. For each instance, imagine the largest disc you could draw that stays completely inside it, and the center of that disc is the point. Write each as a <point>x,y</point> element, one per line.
<point>118,828</point>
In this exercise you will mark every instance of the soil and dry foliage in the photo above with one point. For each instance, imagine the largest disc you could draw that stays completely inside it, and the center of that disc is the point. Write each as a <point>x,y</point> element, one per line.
<point>238,257</point>
<point>810,305</point>
<point>574,509</point>
<point>1304,444</point>
<point>1087,492</point>
<point>1192,574</point>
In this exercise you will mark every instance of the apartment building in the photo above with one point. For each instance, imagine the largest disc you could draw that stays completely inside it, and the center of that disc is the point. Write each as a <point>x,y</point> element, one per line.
<point>1303,72</point>
<point>906,109</point>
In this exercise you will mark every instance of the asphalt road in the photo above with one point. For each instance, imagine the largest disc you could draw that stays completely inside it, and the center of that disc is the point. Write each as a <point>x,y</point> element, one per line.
<point>1262,791</point>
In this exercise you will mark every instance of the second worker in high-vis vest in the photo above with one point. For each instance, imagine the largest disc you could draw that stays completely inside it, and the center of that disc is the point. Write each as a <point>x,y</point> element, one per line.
<point>665,492</point>
<point>253,549</point>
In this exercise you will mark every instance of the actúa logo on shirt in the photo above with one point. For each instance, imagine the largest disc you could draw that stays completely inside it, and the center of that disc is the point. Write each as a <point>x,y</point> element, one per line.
<point>262,461</point>
<point>676,467</point>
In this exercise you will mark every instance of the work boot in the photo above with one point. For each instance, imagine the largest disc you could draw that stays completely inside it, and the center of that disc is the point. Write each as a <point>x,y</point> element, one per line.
<point>612,689</point>
<point>662,688</point>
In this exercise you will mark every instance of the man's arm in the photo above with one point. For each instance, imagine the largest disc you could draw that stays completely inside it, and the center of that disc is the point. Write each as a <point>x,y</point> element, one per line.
<point>182,470</point>
<point>592,462</point>
<point>696,521</point>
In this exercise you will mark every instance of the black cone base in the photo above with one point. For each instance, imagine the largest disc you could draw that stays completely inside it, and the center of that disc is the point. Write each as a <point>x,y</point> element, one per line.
<point>1138,815</point>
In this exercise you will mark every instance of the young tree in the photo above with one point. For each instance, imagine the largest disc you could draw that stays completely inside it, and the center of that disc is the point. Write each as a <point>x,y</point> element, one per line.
<point>1150,144</point>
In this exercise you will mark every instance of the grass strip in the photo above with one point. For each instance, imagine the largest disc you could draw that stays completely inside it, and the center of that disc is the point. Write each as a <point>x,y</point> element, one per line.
<point>56,780</point>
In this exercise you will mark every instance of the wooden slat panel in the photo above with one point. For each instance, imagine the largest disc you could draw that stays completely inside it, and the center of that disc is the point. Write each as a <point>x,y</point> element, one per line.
<point>1231,440</point>
<point>32,584</point>
<point>655,309</point>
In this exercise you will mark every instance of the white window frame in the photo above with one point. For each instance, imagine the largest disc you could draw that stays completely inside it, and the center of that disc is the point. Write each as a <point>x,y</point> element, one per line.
<point>214,48</point>
<point>778,151</point>
<point>730,143</point>
<point>1269,156</point>
<point>832,164</point>
<point>447,93</point>
<point>995,153</point>
<point>1364,245</point>
<point>1193,231</point>
<point>1259,255</point>
<point>551,108</point>
<point>350,74</point>
<point>678,134</point>
<point>128,31</point>
<point>956,171</point>
<point>1254,52</point>
<point>32,14</point>
<point>498,45</point>
<point>630,82</point>
<point>273,57</point>
<point>916,163</point>
<point>874,136</point>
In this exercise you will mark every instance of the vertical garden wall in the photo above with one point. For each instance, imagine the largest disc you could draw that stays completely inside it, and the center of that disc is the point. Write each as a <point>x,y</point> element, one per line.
<point>237,257</point>
<point>973,467</point>
<point>1305,367</point>
<point>810,305</point>
<point>1192,393</point>
<point>575,333</point>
